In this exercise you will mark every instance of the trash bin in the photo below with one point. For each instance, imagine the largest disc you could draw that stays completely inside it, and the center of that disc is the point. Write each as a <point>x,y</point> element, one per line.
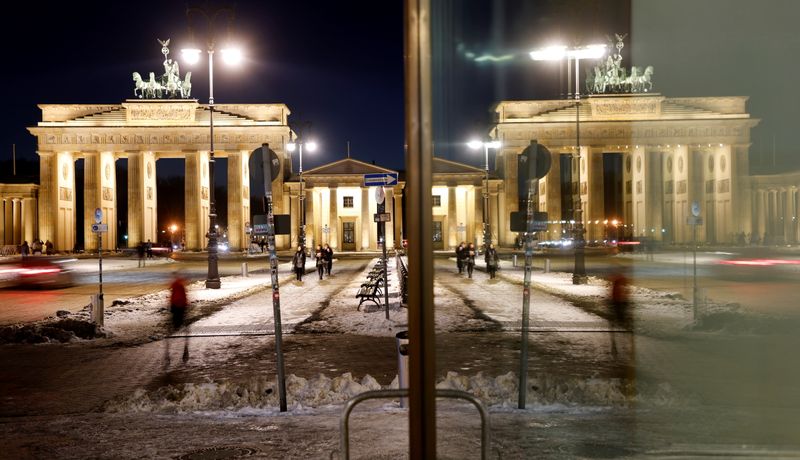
<point>402,363</point>
<point>244,270</point>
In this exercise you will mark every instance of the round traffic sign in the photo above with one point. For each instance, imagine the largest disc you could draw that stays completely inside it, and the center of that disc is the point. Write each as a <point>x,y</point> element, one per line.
<point>695,209</point>
<point>98,215</point>
<point>380,195</point>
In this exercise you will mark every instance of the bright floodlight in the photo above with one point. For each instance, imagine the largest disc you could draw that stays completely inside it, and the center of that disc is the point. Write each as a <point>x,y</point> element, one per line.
<point>291,146</point>
<point>311,146</point>
<point>494,144</point>
<point>191,55</point>
<point>232,56</point>
<point>551,53</point>
<point>475,144</point>
<point>588,52</point>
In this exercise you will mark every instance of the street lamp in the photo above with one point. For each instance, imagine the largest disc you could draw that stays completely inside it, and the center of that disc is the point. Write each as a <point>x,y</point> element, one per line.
<point>558,53</point>
<point>311,146</point>
<point>475,145</point>
<point>230,56</point>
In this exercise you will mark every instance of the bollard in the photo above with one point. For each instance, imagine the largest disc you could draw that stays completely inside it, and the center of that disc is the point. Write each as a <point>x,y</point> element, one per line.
<point>547,265</point>
<point>244,269</point>
<point>515,261</point>
<point>402,364</point>
<point>97,309</point>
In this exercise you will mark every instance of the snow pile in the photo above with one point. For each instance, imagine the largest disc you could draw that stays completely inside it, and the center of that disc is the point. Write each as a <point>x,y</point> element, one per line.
<point>499,392</point>
<point>258,392</point>
<point>49,331</point>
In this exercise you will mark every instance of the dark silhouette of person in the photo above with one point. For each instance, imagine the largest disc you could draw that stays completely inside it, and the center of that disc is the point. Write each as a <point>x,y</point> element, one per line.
<point>299,263</point>
<point>328,259</point>
<point>619,302</point>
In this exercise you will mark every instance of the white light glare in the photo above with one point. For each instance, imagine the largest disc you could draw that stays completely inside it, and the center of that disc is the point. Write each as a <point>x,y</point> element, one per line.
<point>311,146</point>
<point>551,53</point>
<point>232,56</point>
<point>475,144</point>
<point>494,144</point>
<point>291,146</point>
<point>191,55</point>
<point>589,52</point>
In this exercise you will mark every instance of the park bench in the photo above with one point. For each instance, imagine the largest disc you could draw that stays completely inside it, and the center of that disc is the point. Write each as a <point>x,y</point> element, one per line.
<point>372,289</point>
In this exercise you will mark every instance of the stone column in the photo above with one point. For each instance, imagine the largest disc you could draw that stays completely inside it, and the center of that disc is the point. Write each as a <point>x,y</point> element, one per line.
<point>2,222</point>
<point>91,197</point>
<point>196,194</point>
<point>136,199</point>
<point>8,220</point>
<point>389,232</point>
<point>397,218</point>
<point>311,225</point>
<point>48,192</point>
<point>475,225</point>
<point>761,215</point>
<point>238,199</point>
<point>333,220</point>
<point>592,176</point>
<point>787,219</point>
<point>365,242</point>
<point>29,219</point>
<point>452,218</point>
<point>495,204</point>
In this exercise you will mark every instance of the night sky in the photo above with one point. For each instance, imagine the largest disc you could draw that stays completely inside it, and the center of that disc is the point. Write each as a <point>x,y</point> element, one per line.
<point>339,65</point>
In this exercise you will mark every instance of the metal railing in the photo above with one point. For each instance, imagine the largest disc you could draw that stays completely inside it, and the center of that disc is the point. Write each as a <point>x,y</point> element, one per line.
<point>344,427</point>
<point>402,275</point>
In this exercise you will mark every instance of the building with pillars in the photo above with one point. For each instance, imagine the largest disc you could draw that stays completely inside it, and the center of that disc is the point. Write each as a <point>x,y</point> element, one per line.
<point>143,132</point>
<point>643,159</point>
<point>775,208</point>
<point>17,215</point>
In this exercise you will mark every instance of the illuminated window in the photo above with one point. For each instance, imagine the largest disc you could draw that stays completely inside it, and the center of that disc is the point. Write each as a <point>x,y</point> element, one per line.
<point>347,202</point>
<point>437,200</point>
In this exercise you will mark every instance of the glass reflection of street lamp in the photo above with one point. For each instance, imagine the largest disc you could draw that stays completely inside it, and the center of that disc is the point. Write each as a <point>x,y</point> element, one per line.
<point>558,53</point>
<point>311,146</point>
<point>230,56</point>
<point>172,229</point>
<point>475,145</point>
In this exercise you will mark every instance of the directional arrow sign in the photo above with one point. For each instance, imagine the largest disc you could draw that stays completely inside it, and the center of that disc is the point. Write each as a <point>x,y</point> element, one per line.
<point>381,179</point>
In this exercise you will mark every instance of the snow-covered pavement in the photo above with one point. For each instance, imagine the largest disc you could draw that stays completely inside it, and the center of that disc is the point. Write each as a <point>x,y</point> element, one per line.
<point>583,401</point>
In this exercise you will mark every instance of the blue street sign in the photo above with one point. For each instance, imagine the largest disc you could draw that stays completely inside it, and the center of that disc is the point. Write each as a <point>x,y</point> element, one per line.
<point>381,179</point>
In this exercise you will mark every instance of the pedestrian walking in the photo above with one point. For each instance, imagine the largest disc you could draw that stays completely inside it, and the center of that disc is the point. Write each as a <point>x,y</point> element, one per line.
<point>48,248</point>
<point>460,257</point>
<point>149,249</point>
<point>36,246</point>
<point>328,259</point>
<point>140,252</point>
<point>492,261</point>
<point>321,260</point>
<point>619,303</point>
<point>299,263</point>
<point>178,305</point>
<point>470,258</point>
<point>24,249</point>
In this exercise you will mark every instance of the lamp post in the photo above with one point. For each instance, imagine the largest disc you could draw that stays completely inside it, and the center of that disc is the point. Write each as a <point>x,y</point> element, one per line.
<point>475,145</point>
<point>311,146</point>
<point>231,56</point>
<point>558,53</point>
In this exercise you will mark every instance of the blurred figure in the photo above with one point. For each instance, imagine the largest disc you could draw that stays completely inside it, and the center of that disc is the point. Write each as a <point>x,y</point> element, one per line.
<point>48,248</point>
<point>321,260</point>
<point>299,263</point>
<point>469,253</point>
<point>460,257</point>
<point>24,249</point>
<point>328,259</point>
<point>140,253</point>
<point>492,261</point>
<point>178,304</point>
<point>619,303</point>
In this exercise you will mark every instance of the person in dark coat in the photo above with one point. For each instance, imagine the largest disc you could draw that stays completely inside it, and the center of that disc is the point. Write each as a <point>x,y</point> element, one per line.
<point>140,249</point>
<point>24,249</point>
<point>492,261</point>
<point>619,303</point>
<point>321,260</point>
<point>469,254</point>
<point>460,257</point>
<point>328,259</point>
<point>299,263</point>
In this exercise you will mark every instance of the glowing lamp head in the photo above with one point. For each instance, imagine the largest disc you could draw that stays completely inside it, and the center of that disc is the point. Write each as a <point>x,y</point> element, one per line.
<point>191,55</point>
<point>551,53</point>
<point>291,146</point>
<point>475,144</point>
<point>232,56</point>
<point>494,144</point>
<point>311,146</point>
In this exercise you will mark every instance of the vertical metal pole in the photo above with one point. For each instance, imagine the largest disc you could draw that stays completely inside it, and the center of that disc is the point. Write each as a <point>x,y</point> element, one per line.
<point>212,280</point>
<point>694,271</point>
<point>273,264</point>
<point>579,273</point>
<point>526,300</point>
<point>487,230</point>
<point>100,254</point>
<point>302,199</point>
<point>419,145</point>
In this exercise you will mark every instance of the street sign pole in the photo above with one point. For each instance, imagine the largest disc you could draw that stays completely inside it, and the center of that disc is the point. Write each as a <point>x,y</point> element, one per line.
<point>526,297</point>
<point>694,272</point>
<point>273,263</point>
<point>380,197</point>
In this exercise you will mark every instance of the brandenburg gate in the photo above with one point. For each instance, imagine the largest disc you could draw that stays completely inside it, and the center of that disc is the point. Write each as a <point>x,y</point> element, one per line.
<point>143,132</point>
